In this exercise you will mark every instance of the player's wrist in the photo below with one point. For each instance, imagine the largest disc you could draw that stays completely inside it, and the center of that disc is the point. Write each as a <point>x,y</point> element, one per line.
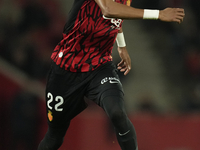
<point>120,40</point>
<point>152,14</point>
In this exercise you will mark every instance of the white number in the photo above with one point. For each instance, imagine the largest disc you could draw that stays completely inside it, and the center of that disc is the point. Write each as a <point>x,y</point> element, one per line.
<point>49,95</point>
<point>58,99</point>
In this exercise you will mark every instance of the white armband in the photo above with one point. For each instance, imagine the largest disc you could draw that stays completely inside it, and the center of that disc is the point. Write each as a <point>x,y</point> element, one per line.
<point>120,40</point>
<point>151,14</point>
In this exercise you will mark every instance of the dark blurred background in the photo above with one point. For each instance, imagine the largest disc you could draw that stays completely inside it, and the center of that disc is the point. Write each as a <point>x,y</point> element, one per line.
<point>162,92</point>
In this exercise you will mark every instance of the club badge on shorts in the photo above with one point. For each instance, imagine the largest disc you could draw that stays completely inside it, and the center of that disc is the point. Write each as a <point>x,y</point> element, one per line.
<point>50,117</point>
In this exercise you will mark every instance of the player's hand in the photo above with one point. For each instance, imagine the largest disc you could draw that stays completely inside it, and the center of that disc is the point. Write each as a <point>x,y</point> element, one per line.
<point>125,64</point>
<point>172,15</point>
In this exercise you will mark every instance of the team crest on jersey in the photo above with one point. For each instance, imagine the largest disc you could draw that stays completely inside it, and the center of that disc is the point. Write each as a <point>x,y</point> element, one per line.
<point>116,22</point>
<point>128,2</point>
<point>50,116</point>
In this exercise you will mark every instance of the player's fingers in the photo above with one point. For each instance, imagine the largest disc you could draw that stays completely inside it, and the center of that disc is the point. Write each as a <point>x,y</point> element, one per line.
<point>120,63</point>
<point>180,10</point>
<point>179,17</point>
<point>178,20</point>
<point>121,66</point>
<point>180,14</point>
<point>129,65</point>
<point>127,70</point>
<point>123,70</point>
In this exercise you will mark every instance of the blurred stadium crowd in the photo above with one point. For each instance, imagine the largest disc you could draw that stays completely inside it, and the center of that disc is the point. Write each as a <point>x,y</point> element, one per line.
<point>30,29</point>
<point>179,48</point>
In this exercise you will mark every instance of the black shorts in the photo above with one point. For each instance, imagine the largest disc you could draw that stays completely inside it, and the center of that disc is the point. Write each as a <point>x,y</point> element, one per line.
<point>65,91</point>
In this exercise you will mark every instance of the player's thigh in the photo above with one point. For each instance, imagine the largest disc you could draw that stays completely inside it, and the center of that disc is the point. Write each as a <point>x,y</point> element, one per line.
<point>63,99</point>
<point>105,83</point>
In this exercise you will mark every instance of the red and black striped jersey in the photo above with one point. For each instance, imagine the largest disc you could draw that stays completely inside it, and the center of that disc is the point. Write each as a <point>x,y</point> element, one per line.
<point>88,37</point>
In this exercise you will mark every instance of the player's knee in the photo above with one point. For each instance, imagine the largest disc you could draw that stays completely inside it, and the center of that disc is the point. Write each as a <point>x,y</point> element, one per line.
<point>117,116</point>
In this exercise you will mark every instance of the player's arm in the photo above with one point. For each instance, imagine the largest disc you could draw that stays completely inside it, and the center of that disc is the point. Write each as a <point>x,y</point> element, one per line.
<point>112,9</point>
<point>125,64</point>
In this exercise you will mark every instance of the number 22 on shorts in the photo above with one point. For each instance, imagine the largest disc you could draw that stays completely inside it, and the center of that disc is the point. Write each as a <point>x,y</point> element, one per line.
<point>58,99</point>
